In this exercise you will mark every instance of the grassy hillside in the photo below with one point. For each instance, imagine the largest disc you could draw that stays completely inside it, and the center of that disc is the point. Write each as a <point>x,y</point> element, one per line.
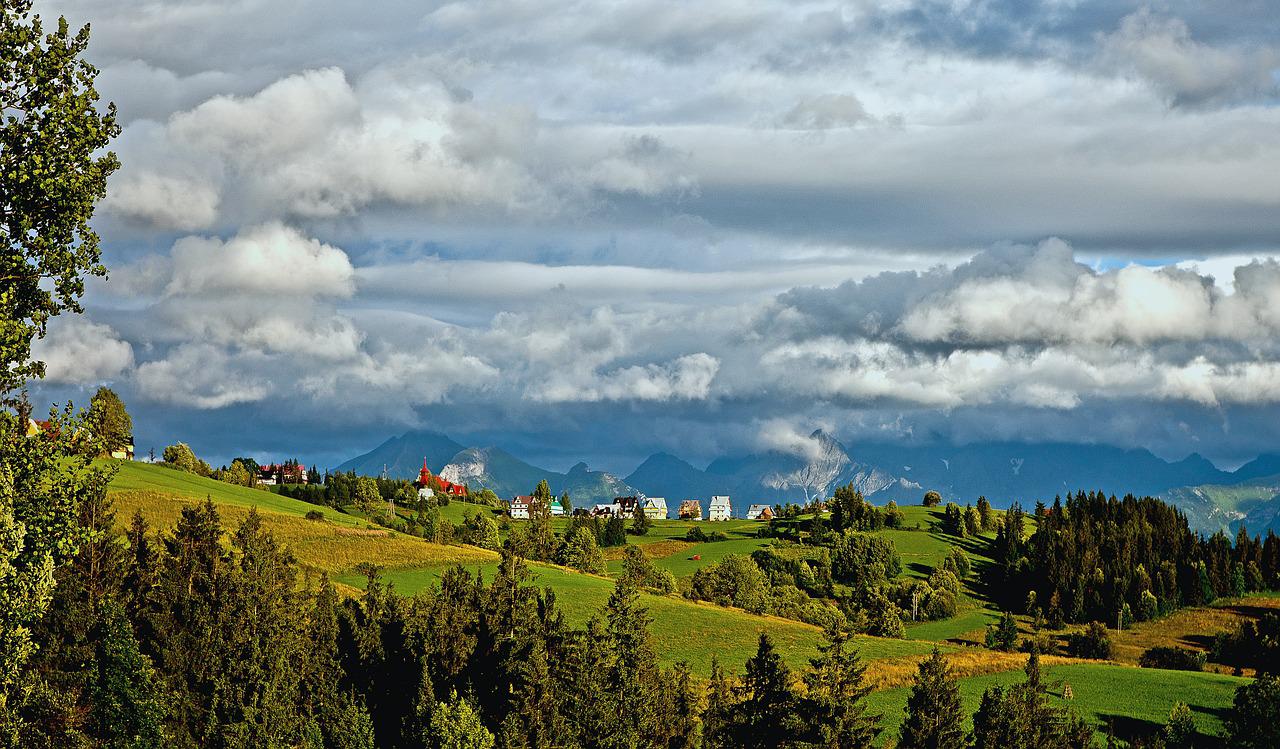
<point>684,630</point>
<point>1133,699</point>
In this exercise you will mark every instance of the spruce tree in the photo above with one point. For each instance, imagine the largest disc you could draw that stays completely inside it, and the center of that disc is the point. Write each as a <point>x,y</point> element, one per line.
<point>126,703</point>
<point>718,717</point>
<point>836,692</point>
<point>766,711</point>
<point>934,716</point>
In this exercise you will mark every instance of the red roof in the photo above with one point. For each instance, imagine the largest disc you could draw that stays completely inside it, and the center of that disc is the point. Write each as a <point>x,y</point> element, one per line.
<point>426,479</point>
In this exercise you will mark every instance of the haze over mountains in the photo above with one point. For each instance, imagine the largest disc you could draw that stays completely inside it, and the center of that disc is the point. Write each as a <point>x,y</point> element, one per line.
<point>1004,472</point>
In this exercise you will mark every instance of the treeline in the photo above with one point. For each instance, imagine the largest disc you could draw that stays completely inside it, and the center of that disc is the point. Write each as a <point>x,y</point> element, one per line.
<point>1096,558</point>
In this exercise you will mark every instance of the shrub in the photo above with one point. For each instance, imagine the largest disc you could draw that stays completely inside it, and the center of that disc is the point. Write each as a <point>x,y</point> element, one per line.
<point>1093,642</point>
<point>315,515</point>
<point>695,535</point>
<point>1039,643</point>
<point>1177,659</point>
<point>181,456</point>
<point>940,604</point>
<point>1003,636</point>
<point>931,499</point>
<point>957,562</point>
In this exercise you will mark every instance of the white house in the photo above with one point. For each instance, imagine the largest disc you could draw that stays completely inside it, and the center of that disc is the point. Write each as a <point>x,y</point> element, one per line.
<point>655,508</point>
<point>607,509</point>
<point>520,507</point>
<point>720,508</point>
<point>759,512</point>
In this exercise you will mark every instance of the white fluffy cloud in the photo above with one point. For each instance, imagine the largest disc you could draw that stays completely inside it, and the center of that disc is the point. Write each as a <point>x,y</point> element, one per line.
<point>315,146</point>
<point>200,377</point>
<point>271,259</point>
<point>78,351</point>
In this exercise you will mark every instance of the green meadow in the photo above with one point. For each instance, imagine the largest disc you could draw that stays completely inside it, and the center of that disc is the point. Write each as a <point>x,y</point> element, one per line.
<point>1132,700</point>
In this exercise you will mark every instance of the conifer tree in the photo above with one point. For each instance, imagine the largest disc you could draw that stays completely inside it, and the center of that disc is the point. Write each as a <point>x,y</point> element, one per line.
<point>766,711</point>
<point>126,702</point>
<point>934,716</point>
<point>836,690</point>
<point>718,717</point>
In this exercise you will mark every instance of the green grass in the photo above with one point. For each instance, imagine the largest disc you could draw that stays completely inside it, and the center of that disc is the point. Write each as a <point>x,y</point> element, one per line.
<point>682,563</point>
<point>683,630</point>
<point>1135,700</point>
<point>947,629</point>
<point>143,477</point>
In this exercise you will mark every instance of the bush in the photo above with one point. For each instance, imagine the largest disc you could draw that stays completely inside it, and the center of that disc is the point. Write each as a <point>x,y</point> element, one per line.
<point>182,457</point>
<point>1003,636</point>
<point>1039,643</point>
<point>695,535</point>
<point>1093,642</point>
<point>931,499</point>
<point>957,562</point>
<point>1176,659</point>
<point>314,515</point>
<point>940,604</point>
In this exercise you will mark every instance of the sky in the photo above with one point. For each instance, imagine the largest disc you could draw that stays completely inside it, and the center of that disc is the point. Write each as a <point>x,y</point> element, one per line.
<point>597,230</point>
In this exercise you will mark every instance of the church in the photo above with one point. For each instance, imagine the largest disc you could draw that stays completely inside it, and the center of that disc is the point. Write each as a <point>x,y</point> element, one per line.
<point>429,484</point>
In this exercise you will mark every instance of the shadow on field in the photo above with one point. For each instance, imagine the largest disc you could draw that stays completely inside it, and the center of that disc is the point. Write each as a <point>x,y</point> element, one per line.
<point>1129,728</point>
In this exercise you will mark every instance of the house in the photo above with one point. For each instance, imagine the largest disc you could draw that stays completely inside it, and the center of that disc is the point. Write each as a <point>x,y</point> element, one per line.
<point>428,485</point>
<point>122,452</point>
<point>690,509</point>
<point>557,509</point>
<point>35,426</point>
<point>520,507</point>
<point>604,510</point>
<point>282,473</point>
<point>655,508</point>
<point>626,506</point>
<point>720,508</point>
<point>760,512</point>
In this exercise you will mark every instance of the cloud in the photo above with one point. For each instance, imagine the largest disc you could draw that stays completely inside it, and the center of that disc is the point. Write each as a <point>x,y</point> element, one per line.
<point>1189,72</point>
<point>79,351</point>
<point>163,200</point>
<point>270,259</point>
<point>200,377</point>
<point>314,146</point>
<point>686,378</point>
<point>825,111</point>
<point>782,435</point>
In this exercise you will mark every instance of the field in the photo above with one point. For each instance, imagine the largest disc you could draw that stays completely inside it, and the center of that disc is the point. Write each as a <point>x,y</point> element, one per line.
<point>683,629</point>
<point>1114,693</point>
<point>1135,700</point>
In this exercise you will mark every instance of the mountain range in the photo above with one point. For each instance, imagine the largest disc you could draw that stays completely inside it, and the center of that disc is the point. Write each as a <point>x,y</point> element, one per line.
<point>1004,472</point>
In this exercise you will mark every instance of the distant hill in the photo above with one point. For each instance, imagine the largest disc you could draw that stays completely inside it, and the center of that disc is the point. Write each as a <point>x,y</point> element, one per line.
<point>507,476</point>
<point>1004,472</point>
<point>771,477</point>
<point>402,456</point>
<point>482,468</point>
<point>1254,503</point>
